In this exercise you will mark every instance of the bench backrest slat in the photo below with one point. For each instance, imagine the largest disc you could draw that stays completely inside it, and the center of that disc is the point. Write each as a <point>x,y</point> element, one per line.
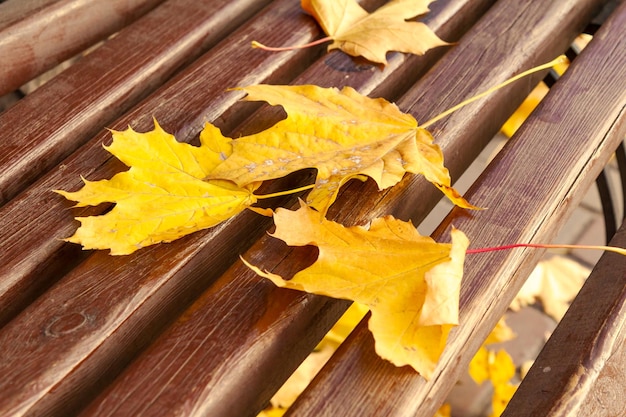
<point>30,44</point>
<point>102,86</point>
<point>196,95</point>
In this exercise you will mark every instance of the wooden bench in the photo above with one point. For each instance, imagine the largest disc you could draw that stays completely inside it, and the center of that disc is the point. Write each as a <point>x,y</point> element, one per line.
<point>185,328</point>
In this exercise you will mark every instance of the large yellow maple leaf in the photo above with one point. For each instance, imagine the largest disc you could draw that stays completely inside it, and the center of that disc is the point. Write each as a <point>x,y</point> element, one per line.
<point>409,282</point>
<point>341,133</point>
<point>359,33</point>
<point>163,196</point>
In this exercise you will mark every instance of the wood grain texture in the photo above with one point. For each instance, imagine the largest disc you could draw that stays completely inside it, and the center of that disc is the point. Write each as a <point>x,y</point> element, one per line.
<point>232,337</point>
<point>229,352</point>
<point>194,96</point>
<point>106,83</point>
<point>576,130</point>
<point>580,370</point>
<point>12,11</point>
<point>48,35</point>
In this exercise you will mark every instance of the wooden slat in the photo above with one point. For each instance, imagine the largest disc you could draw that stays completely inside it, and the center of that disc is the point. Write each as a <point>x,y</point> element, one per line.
<point>12,11</point>
<point>196,95</point>
<point>69,344</point>
<point>105,84</point>
<point>530,189</point>
<point>235,346</point>
<point>49,35</point>
<point>242,371</point>
<point>101,313</point>
<point>580,371</point>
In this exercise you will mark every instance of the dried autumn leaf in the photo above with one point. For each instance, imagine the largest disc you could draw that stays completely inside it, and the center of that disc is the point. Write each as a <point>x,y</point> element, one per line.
<point>500,333</point>
<point>162,196</point>
<point>555,282</point>
<point>497,367</point>
<point>359,33</point>
<point>409,282</point>
<point>341,133</point>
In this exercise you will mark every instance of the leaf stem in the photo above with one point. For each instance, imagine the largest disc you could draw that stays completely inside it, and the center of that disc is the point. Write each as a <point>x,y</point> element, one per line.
<point>559,60</point>
<point>287,192</point>
<point>259,45</point>
<point>621,251</point>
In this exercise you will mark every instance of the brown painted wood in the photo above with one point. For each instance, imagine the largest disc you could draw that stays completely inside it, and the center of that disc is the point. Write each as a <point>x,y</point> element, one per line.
<point>88,325</point>
<point>530,189</point>
<point>227,353</point>
<point>235,346</point>
<point>106,83</point>
<point>12,11</point>
<point>580,370</point>
<point>32,44</point>
<point>135,380</point>
<point>194,96</point>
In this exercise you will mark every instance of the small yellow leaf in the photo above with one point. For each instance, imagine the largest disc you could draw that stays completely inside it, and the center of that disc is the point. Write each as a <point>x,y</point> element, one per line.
<point>409,282</point>
<point>502,394</point>
<point>497,367</point>
<point>501,333</point>
<point>163,195</point>
<point>444,411</point>
<point>344,135</point>
<point>359,33</point>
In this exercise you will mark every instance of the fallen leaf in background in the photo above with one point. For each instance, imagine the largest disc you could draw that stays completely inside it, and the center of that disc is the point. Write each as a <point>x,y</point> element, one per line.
<point>502,394</point>
<point>444,411</point>
<point>342,134</point>
<point>555,282</point>
<point>525,109</point>
<point>409,282</point>
<point>501,333</point>
<point>303,375</point>
<point>499,369</point>
<point>163,196</point>
<point>372,35</point>
<point>295,385</point>
<point>495,367</point>
<point>345,325</point>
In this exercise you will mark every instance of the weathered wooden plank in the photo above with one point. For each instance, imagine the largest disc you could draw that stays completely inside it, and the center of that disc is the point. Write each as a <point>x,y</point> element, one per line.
<point>242,371</point>
<point>235,346</point>
<point>15,10</point>
<point>30,44</point>
<point>101,313</point>
<point>580,370</point>
<point>105,84</point>
<point>530,189</point>
<point>194,96</point>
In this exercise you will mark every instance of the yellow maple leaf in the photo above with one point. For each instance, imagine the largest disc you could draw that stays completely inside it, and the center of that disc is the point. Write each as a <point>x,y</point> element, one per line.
<point>163,195</point>
<point>372,35</point>
<point>341,133</point>
<point>409,282</point>
<point>502,394</point>
<point>500,333</point>
<point>497,367</point>
<point>444,411</point>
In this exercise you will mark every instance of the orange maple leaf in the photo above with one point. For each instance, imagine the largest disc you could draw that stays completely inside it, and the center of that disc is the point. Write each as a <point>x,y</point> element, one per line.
<point>409,282</point>
<point>341,133</point>
<point>372,35</point>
